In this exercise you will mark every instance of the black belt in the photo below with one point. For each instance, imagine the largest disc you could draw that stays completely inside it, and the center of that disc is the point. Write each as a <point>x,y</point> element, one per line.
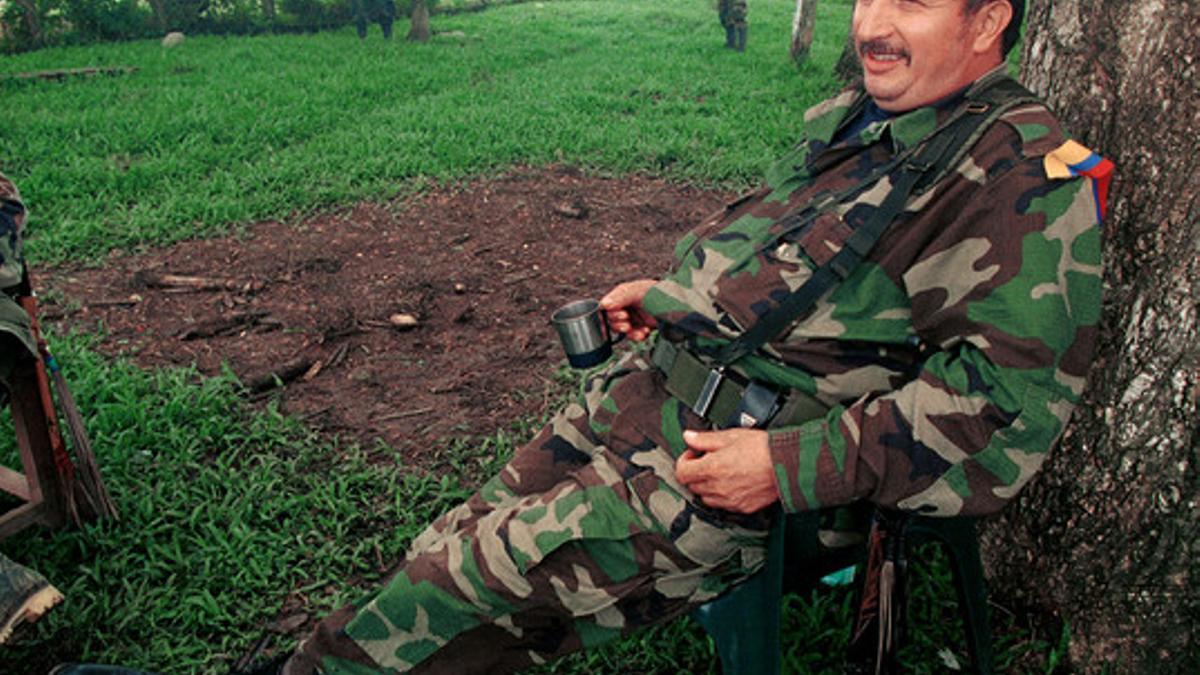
<point>725,398</point>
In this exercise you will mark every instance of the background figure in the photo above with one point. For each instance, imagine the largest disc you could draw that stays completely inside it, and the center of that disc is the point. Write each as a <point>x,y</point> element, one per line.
<point>381,11</point>
<point>732,14</point>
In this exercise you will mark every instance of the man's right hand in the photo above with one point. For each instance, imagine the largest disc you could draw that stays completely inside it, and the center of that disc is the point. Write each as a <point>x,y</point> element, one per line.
<point>623,306</point>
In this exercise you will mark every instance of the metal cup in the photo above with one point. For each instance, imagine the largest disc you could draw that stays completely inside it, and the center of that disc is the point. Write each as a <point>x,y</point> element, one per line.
<point>584,333</point>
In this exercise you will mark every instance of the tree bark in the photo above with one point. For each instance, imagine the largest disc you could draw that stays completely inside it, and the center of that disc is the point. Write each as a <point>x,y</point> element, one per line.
<point>32,22</point>
<point>1107,537</point>
<point>419,31</point>
<point>160,13</point>
<point>268,9</point>
<point>802,30</point>
<point>848,67</point>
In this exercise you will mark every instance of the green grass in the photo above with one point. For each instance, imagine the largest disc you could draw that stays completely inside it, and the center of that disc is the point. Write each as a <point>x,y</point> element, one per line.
<point>221,131</point>
<point>229,514</point>
<point>223,513</point>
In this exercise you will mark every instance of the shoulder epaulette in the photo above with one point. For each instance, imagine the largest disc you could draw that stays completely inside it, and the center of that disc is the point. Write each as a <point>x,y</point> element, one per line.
<point>1037,128</point>
<point>1072,159</point>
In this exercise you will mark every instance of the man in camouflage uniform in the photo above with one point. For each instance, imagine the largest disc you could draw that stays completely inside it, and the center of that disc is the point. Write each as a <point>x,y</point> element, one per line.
<point>949,361</point>
<point>732,14</point>
<point>366,11</point>
<point>12,222</point>
<point>15,335</point>
<point>24,594</point>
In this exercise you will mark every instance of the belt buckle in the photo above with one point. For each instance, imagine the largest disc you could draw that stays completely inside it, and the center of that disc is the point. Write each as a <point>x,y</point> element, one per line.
<point>757,408</point>
<point>708,392</point>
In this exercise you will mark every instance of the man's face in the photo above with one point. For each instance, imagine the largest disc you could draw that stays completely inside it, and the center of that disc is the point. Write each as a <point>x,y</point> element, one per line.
<point>915,52</point>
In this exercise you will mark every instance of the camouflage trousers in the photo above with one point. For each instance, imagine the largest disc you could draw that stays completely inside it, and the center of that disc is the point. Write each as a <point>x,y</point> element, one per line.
<point>585,535</point>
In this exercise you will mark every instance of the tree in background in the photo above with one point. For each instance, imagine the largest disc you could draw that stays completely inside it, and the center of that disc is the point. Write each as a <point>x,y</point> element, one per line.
<point>29,25</point>
<point>1108,537</point>
<point>419,31</point>
<point>802,30</point>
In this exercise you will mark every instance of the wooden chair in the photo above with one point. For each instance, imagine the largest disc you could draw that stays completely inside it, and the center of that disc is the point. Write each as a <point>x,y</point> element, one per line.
<point>41,484</point>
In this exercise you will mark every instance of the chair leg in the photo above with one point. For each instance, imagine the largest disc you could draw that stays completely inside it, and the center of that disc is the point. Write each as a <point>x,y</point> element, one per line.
<point>47,494</point>
<point>961,542</point>
<point>745,622</point>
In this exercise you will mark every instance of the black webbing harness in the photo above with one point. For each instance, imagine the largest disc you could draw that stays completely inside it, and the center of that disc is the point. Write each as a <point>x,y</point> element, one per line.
<point>703,383</point>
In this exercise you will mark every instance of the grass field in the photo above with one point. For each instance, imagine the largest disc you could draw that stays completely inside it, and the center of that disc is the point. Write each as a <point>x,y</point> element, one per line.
<point>229,515</point>
<point>223,130</point>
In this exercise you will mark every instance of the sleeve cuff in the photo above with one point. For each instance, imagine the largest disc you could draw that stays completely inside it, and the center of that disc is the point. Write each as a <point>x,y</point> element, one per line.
<point>806,475</point>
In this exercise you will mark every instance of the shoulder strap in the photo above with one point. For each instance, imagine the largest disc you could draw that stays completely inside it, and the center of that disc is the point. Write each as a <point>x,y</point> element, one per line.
<point>943,149</point>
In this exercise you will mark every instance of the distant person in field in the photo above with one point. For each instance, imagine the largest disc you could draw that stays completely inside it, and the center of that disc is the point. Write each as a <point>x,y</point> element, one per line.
<point>381,11</point>
<point>732,14</point>
<point>938,232</point>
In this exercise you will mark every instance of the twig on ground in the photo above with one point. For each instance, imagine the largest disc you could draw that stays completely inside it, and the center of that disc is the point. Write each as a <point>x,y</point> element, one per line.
<point>194,283</point>
<point>64,73</point>
<point>403,414</point>
<point>129,302</point>
<point>225,325</point>
<point>280,376</point>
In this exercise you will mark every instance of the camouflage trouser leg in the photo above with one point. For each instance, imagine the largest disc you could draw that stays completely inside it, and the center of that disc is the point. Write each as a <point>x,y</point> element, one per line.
<point>572,544</point>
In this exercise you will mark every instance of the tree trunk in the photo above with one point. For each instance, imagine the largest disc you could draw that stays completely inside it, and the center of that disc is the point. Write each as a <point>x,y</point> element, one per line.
<point>268,9</point>
<point>32,21</point>
<point>1107,537</point>
<point>160,13</point>
<point>802,30</point>
<point>419,32</point>
<point>848,67</point>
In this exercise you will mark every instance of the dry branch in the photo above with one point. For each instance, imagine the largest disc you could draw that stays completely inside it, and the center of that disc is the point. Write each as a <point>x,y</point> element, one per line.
<point>64,73</point>
<point>403,414</point>
<point>280,376</point>
<point>225,325</point>
<point>156,280</point>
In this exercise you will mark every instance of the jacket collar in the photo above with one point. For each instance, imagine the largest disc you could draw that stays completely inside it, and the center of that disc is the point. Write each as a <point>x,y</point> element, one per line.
<point>902,130</point>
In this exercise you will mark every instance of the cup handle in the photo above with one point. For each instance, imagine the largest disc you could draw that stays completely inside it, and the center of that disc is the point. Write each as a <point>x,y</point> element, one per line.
<point>608,331</point>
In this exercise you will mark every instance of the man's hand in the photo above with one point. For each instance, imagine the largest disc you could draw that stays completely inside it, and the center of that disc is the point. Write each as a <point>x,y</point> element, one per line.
<point>623,306</point>
<point>729,469</point>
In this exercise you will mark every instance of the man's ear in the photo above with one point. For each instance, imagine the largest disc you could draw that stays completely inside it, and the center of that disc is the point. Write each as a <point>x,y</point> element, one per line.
<point>989,23</point>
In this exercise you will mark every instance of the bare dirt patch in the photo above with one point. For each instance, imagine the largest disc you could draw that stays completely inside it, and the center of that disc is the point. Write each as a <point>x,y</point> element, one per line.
<point>316,302</point>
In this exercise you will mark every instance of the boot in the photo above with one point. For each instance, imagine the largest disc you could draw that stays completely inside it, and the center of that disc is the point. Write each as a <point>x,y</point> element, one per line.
<point>25,595</point>
<point>741,38</point>
<point>730,37</point>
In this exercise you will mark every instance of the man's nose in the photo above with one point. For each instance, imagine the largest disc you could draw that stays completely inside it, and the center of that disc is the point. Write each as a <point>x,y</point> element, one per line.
<point>872,19</point>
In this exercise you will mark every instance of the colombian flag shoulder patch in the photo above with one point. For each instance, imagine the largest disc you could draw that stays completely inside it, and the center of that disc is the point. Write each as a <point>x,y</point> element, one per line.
<point>1072,159</point>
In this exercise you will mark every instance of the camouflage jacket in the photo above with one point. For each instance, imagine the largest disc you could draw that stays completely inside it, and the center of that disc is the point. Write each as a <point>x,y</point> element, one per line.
<point>12,223</point>
<point>731,12</point>
<point>952,357</point>
<point>14,322</point>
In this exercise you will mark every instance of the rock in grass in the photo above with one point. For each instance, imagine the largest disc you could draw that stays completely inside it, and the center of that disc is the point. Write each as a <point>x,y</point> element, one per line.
<point>173,38</point>
<point>403,321</point>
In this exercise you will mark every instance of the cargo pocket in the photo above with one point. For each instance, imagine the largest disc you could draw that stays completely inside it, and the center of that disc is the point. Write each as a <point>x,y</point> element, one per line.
<point>824,238</point>
<point>705,536</point>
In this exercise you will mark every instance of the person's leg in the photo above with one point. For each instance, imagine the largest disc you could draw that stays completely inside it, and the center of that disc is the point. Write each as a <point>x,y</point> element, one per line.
<point>569,545</point>
<point>560,447</point>
<point>539,578</point>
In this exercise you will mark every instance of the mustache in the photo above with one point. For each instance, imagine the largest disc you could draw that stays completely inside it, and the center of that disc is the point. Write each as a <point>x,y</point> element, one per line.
<point>881,48</point>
